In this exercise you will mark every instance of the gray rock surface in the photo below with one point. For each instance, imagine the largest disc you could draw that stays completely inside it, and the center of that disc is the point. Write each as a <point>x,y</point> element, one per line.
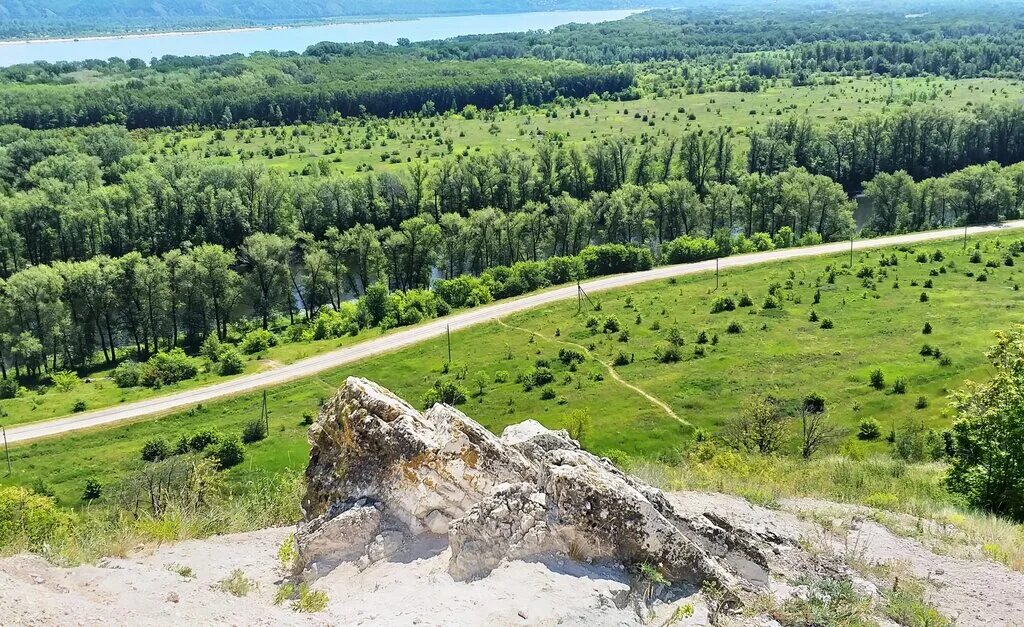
<point>381,469</point>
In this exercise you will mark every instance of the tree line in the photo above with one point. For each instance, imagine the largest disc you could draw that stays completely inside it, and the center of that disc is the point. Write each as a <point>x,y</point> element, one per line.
<point>67,313</point>
<point>276,89</point>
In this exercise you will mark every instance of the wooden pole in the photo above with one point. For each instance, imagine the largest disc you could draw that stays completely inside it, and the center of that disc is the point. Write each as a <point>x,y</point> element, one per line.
<point>448,328</point>
<point>7,451</point>
<point>716,274</point>
<point>266,414</point>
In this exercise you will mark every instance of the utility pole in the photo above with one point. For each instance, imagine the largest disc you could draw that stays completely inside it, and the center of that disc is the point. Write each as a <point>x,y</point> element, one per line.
<point>264,414</point>
<point>448,329</point>
<point>7,451</point>
<point>580,295</point>
<point>716,274</point>
<point>851,251</point>
<point>965,231</point>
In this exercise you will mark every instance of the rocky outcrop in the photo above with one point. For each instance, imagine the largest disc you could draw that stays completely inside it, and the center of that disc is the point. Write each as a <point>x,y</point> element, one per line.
<point>380,471</point>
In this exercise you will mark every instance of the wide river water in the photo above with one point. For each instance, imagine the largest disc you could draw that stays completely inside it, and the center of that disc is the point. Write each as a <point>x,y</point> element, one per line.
<point>296,38</point>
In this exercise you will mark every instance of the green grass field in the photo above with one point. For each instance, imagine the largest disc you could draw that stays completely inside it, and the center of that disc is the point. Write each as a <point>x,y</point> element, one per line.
<point>361,144</point>
<point>778,352</point>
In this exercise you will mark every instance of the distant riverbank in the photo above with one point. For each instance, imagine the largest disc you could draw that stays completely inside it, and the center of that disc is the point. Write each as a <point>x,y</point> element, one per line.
<point>284,37</point>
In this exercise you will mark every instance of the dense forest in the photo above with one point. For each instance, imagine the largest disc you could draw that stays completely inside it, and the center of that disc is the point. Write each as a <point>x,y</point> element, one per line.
<point>109,246</point>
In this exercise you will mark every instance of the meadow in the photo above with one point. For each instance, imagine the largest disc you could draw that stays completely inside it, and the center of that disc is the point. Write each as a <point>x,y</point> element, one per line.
<point>353,145</point>
<point>877,322</point>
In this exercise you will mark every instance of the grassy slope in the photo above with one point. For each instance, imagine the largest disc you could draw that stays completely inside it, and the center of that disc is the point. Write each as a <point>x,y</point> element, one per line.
<point>788,357</point>
<point>823,104</point>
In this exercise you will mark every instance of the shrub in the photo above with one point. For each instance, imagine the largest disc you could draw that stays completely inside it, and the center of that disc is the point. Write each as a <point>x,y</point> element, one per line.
<point>924,297</point>
<point>168,367</point>
<point>127,374</point>
<point>734,328</point>
<point>199,441</point>
<point>547,393</point>
<point>254,431</point>
<point>258,341</point>
<point>78,407</point>
<point>826,323</point>
<point>869,429</point>
<point>622,359</point>
<point>667,353</point>
<point>813,317</point>
<point>227,453</point>
<point>745,300</point>
<point>237,584</point>
<point>771,302</point>
<point>93,490</point>
<point>927,328</point>
<point>230,362</point>
<point>921,403</point>
<point>9,388</point>
<point>702,337</point>
<point>975,256</point>
<point>611,325</point>
<point>538,375</point>
<point>310,600</point>
<point>155,450</point>
<point>877,379</point>
<point>31,520</point>
<point>578,424</point>
<point>570,356</point>
<point>211,348</point>
<point>723,303</point>
<point>445,391</point>
<point>899,386</point>
<point>615,258</point>
<point>688,249</point>
<point>65,380</point>
<point>307,418</point>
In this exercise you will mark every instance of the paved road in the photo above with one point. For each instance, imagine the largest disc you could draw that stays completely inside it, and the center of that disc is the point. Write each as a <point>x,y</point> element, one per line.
<point>435,328</point>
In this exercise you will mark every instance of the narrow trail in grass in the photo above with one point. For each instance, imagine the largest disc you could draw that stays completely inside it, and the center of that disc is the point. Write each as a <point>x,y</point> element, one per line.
<point>654,400</point>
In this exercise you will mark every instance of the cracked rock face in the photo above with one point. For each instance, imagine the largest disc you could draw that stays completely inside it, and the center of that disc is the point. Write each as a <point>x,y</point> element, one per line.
<point>380,470</point>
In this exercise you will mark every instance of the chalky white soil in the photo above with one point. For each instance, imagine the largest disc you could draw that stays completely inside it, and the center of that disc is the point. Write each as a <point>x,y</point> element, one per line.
<point>414,587</point>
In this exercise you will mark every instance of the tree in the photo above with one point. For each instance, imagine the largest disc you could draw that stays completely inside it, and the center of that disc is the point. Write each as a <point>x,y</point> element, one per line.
<point>760,427</point>
<point>987,467</point>
<point>816,430</point>
<point>217,282</point>
<point>578,424</point>
<point>265,255</point>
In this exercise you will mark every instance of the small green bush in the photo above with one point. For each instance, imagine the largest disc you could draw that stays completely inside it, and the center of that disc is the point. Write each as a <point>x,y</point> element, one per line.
<point>93,490</point>
<point>254,431</point>
<point>78,407</point>
<point>869,429</point>
<point>667,353</point>
<point>258,341</point>
<point>127,374</point>
<point>155,450</point>
<point>723,303</point>
<point>227,453</point>
<point>877,379</point>
<point>899,386</point>
<point>230,362</point>
<point>9,388</point>
<point>446,391</point>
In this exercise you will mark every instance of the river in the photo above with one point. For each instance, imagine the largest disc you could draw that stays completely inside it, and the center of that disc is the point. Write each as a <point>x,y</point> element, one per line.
<point>296,38</point>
